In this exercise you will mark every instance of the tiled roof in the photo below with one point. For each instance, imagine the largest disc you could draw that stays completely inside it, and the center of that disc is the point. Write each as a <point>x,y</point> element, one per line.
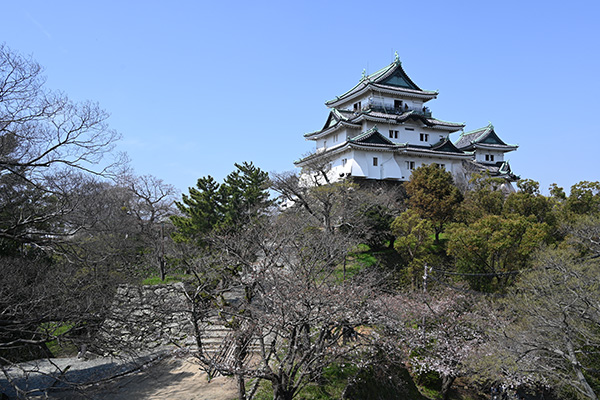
<point>442,150</point>
<point>374,140</point>
<point>485,136</point>
<point>372,136</point>
<point>350,118</point>
<point>392,77</point>
<point>447,146</point>
<point>414,115</point>
<point>353,116</point>
<point>334,119</point>
<point>500,169</point>
<point>403,89</point>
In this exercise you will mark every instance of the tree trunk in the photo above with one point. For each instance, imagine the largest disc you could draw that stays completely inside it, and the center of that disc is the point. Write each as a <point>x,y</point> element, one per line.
<point>241,384</point>
<point>437,230</point>
<point>578,371</point>
<point>279,393</point>
<point>392,241</point>
<point>447,381</point>
<point>239,352</point>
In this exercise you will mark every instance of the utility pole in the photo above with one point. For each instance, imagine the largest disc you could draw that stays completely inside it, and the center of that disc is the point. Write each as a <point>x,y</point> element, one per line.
<point>162,251</point>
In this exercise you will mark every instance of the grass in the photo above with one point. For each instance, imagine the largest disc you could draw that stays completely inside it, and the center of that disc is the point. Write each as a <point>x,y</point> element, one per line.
<point>155,280</point>
<point>357,260</point>
<point>58,347</point>
<point>370,383</point>
<point>331,385</point>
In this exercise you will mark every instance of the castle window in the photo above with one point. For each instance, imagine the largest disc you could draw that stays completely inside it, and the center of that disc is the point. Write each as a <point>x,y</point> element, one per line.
<point>375,161</point>
<point>398,104</point>
<point>393,134</point>
<point>357,107</point>
<point>489,157</point>
<point>344,161</point>
<point>424,137</point>
<point>410,165</point>
<point>409,129</point>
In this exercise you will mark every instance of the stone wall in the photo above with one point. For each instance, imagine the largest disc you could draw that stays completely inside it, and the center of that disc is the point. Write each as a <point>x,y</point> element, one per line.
<point>143,318</point>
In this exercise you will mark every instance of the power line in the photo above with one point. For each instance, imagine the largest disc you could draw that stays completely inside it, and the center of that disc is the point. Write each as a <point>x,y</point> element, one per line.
<point>467,291</point>
<point>478,274</point>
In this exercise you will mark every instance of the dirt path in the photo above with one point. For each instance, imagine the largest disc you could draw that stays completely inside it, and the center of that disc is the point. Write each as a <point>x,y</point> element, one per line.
<point>173,379</point>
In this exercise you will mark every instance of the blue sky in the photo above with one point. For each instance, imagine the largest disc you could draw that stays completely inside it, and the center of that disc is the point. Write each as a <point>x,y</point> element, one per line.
<point>196,86</point>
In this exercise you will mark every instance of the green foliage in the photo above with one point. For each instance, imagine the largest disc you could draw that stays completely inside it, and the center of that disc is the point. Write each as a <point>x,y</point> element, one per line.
<point>433,196</point>
<point>429,384</point>
<point>414,240</point>
<point>210,205</point>
<point>557,192</point>
<point>201,210</point>
<point>364,260</point>
<point>244,194</point>
<point>529,202</point>
<point>383,381</point>
<point>332,383</point>
<point>378,220</point>
<point>496,246</point>
<point>584,198</point>
<point>485,198</point>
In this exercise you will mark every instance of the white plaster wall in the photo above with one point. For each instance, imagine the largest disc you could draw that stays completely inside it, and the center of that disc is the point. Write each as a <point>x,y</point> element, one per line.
<point>390,165</point>
<point>450,165</point>
<point>360,158</point>
<point>394,166</point>
<point>480,155</point>
<point>404,136</point>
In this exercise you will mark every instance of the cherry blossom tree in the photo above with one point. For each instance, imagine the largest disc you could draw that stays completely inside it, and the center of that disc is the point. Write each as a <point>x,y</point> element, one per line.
<point>547,330</point>
<point>293,308</point>
<point>435,331</point>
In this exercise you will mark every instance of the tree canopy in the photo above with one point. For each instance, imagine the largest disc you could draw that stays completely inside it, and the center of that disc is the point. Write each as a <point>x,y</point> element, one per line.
<point>210,205</point>
<point>433,195</point>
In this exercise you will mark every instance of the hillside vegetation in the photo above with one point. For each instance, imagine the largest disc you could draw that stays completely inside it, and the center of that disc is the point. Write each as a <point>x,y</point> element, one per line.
<point>333,290</point>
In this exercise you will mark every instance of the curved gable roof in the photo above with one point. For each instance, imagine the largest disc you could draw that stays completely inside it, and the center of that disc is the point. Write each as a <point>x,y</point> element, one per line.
<point>372,136</point>
<point>392,76</point>
<point>447,146</point>
<point>398,77</point>
<point>486,136</point>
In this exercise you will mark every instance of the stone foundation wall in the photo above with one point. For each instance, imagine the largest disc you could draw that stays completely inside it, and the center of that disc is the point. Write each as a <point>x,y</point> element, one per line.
<point>143,318</point>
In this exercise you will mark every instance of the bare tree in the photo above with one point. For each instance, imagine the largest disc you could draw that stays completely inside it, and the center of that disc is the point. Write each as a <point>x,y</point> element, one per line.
<point>45,139</point>
<point>152,204</point>
<point>366,211</point>
<point>52,151</point>
<point>119,226</point>
<point>294,314</point>
<point>547,330</point>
